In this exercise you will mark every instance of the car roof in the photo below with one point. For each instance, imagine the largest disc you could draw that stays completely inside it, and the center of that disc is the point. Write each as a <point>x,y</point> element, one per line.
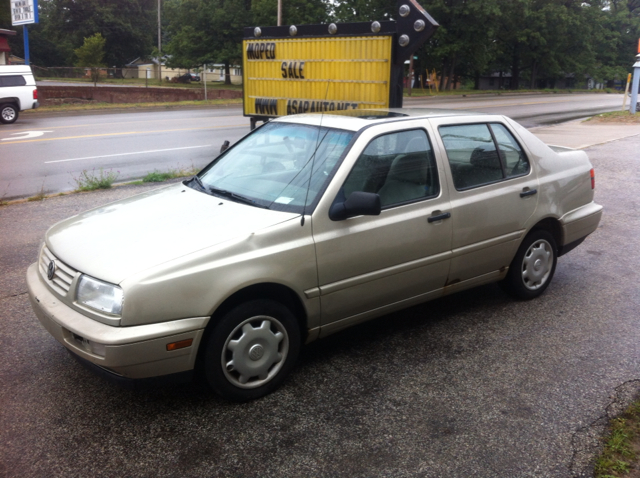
<point>14,69</point>
<point>355,120</point>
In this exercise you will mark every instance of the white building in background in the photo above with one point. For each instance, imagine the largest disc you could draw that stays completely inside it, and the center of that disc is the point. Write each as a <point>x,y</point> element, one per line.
<point>141,67</point>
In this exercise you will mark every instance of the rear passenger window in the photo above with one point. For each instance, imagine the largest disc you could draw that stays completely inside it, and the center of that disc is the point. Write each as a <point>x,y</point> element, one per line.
<point>400,167</point>
<point>482,154</point>
<point>12,80</point>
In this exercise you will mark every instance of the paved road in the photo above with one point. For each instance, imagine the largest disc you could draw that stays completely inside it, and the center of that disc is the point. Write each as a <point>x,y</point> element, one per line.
<point>474,384</point>
<point>134,144</point>
<point>530,110</point>
<point>129,144</point>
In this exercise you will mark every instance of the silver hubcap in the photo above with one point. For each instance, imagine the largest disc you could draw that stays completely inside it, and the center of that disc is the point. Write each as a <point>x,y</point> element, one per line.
<point>537,264</point>
<point>8,114</point>
<point>255,352</point>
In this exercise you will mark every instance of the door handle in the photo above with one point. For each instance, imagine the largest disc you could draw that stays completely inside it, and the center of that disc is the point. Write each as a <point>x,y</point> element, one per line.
<point>529,192</point>
<point>439,217</point>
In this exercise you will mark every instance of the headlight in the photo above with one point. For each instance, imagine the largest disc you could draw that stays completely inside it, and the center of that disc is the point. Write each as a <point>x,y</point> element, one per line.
<point>99,295</point>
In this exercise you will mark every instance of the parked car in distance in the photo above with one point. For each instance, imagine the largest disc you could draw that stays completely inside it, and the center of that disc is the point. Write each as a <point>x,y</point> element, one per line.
<point>188,77</point>
<point>18,92</point>
<point>308,225</point>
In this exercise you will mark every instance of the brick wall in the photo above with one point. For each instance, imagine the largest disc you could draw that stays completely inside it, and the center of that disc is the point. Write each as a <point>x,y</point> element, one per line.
<point>49,95</point>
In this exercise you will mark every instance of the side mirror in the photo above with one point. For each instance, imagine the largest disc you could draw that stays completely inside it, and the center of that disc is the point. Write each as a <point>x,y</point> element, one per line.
<point>224,147</point>
<point>358,203</point>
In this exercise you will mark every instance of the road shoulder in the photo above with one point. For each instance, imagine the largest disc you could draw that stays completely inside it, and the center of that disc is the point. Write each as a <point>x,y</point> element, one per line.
<point>580,134</point>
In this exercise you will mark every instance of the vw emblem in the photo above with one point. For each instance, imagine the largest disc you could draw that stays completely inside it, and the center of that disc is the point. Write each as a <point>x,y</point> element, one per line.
<point>51,270</point>
<point>256,352</point>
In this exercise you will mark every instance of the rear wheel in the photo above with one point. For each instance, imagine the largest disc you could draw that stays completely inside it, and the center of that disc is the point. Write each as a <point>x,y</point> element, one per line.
<point>533,266</point>
<point>8,113</point>
<point>251,350</point>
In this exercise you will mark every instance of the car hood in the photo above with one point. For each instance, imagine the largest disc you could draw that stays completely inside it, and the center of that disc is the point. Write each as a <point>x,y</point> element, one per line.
<point>123,238</point>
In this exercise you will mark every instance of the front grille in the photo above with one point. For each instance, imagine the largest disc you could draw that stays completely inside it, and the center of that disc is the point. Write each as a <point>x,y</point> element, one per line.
<point>63,276</point>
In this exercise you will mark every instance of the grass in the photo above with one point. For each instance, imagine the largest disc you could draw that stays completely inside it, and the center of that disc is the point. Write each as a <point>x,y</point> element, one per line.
<point>3,202</point>
<point>180,172</point>
<point>41,194</point>
<point>90,180</point>
<point>622,444</point>
<point>619,117</point>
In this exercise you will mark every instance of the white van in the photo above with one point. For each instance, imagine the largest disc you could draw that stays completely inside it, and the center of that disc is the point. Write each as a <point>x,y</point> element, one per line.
<point>18,92</point>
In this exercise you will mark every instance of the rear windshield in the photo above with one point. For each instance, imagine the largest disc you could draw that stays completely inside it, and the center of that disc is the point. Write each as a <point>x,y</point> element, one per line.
<point>12,80</point>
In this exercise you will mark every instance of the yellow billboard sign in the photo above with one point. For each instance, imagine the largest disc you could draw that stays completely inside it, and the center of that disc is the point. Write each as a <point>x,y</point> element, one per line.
<point>302,75</point>
<point>324,68</point>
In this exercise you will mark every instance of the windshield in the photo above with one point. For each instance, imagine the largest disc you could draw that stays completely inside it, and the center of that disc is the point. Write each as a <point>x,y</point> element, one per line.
<point>272,167</point>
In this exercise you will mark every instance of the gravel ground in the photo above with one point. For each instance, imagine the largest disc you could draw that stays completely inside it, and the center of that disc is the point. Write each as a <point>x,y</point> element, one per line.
<point>472,385</point>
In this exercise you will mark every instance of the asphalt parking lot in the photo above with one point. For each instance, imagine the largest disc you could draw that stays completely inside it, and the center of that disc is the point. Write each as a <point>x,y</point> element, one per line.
<point>475,384</point>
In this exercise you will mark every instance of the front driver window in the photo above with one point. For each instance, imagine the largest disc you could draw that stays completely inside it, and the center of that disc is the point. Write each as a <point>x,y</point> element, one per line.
<point>400,167</point>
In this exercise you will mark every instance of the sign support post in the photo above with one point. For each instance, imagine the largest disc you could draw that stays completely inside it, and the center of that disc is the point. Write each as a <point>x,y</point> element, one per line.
<point>24,12</point>
<point>25,34</point>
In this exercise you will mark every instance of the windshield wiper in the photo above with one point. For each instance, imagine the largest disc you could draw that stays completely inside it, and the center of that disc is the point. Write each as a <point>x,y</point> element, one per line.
<point>199,182</point>
<point>224,193</point>
<point>233,196</point>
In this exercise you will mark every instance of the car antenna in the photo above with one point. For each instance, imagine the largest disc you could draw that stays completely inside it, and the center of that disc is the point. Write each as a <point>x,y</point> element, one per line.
<point>313,157</point>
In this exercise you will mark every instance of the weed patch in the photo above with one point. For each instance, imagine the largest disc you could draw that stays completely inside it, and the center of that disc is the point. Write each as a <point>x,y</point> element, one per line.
<point>90,180</point>
<point>157,177</point>
<point>179,172</point>
<point>622,444</point>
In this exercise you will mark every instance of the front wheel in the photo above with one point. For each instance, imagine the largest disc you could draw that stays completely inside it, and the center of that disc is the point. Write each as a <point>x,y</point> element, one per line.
<point>251,350</point>
<point>8,113</point>
<point>533,266</point>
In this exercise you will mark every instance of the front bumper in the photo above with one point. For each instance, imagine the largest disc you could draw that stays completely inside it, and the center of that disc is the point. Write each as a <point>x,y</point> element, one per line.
<point>132,352</point>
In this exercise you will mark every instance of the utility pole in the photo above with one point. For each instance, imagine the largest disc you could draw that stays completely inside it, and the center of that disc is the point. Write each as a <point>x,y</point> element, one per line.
<point>159,44</point>
<point>279,12</point>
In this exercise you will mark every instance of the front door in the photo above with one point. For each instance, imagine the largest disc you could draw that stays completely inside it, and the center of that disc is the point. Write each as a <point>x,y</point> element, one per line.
<point>370,264</point>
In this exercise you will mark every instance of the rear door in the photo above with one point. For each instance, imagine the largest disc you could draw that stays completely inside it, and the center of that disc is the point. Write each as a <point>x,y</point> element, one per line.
<point>494,193</point>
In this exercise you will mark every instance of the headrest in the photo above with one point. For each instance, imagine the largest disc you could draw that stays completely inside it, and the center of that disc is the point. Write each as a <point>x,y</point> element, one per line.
<point>410,168</point>
<point>485,159</point>
<point>417,143</point>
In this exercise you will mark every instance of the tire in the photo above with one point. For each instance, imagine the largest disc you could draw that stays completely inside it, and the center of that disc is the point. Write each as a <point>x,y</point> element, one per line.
<point>8,113</point>
<point>533,266</point>
<point>251,350</point>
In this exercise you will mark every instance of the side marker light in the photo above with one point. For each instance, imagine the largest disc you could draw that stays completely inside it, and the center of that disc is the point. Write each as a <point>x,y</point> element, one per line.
<point>179,345</point>
<point>593,178</point>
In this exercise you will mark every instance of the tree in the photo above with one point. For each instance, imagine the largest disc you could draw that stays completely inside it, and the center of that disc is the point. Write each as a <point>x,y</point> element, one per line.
<point>364,10</point>
<point>91,54</point>
<point>206,31</point>
<point>128,27</point>
<point>294,12</point>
